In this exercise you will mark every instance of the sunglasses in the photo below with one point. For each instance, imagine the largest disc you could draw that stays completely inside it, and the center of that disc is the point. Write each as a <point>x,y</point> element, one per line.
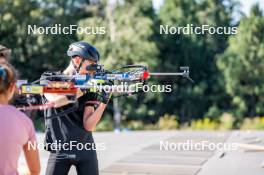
<point>75,56</point>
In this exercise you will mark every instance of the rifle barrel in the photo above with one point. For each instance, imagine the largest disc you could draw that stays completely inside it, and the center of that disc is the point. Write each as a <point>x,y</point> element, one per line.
<point>166,73</point>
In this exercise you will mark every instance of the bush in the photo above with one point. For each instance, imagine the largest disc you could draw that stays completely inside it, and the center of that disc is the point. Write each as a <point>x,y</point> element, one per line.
<point>253,123</point>
<point>105,125</point>
<point>135,125</point>
<point>226,121</point>
<point>204,124</point>
<point>167,122</point>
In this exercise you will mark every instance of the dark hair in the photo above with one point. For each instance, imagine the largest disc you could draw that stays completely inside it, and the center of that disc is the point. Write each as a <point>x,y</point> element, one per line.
<point>7,76</point>
<point>5,52</point>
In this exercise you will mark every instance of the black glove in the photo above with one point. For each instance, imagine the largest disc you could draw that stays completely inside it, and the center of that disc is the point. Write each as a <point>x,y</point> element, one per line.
<point>105,97</point>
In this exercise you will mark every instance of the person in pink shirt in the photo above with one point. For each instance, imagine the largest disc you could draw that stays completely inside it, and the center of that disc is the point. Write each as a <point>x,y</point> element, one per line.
<point>16,129</point>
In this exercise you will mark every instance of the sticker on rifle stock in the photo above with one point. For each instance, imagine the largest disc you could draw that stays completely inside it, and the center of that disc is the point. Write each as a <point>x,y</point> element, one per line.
<point>32,89</point>
<point>125,76</point>
<point>114,76</point>
<point>80,77</point>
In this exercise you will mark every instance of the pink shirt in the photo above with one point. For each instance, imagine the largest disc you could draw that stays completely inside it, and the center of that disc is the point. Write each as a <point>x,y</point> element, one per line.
<point>16,129</point>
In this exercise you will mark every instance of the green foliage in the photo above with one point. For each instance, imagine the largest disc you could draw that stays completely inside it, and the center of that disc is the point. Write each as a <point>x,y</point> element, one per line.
<point>256,123</point>
<point>39,125</point>
<point>204,124</point>
<point>128,40</point>
<point>167,122</point>
<point>242,65</point>
<point>135,125</point>
<point>128,34</point>
<point>106,124</point>
<point>197,51</point>
<point>226,121</point>
<point>33,54</point>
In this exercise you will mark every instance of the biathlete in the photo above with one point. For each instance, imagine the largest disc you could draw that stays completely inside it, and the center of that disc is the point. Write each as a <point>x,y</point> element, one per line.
<point>74,125</point>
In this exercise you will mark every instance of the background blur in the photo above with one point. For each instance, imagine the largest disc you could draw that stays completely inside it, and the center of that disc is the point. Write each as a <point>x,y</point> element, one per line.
<point>228,92</point>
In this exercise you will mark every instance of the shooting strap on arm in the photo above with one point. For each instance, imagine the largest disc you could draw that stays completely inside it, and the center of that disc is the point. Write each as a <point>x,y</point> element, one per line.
<point>94,103</point>
<point>89,99</point>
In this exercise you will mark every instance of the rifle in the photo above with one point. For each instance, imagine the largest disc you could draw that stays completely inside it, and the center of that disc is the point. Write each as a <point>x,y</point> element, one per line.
<point>128,77</point>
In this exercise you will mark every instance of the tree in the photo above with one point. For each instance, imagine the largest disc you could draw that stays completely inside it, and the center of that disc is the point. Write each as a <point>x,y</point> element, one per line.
<point>35,53</point>
<point>242,66</point>
<point>127,40</point>
<point>197,51</point>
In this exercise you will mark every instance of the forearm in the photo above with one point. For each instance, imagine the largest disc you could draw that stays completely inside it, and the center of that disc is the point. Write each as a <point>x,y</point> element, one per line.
<point>91,120</point>
<point>60,100</point>
<point>32,158</point>
<point>57,100</point>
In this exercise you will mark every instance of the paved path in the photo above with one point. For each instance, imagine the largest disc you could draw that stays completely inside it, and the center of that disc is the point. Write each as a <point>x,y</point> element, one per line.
<point>157,160</point>
<point>242,161</point>
<point>140,153</point>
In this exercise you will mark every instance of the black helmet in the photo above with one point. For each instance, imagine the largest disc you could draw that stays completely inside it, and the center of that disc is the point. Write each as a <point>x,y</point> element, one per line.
<point>84,50</point>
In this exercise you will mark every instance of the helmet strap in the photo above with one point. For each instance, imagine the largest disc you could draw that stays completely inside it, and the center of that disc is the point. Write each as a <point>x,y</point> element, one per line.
<point>77,69</point>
